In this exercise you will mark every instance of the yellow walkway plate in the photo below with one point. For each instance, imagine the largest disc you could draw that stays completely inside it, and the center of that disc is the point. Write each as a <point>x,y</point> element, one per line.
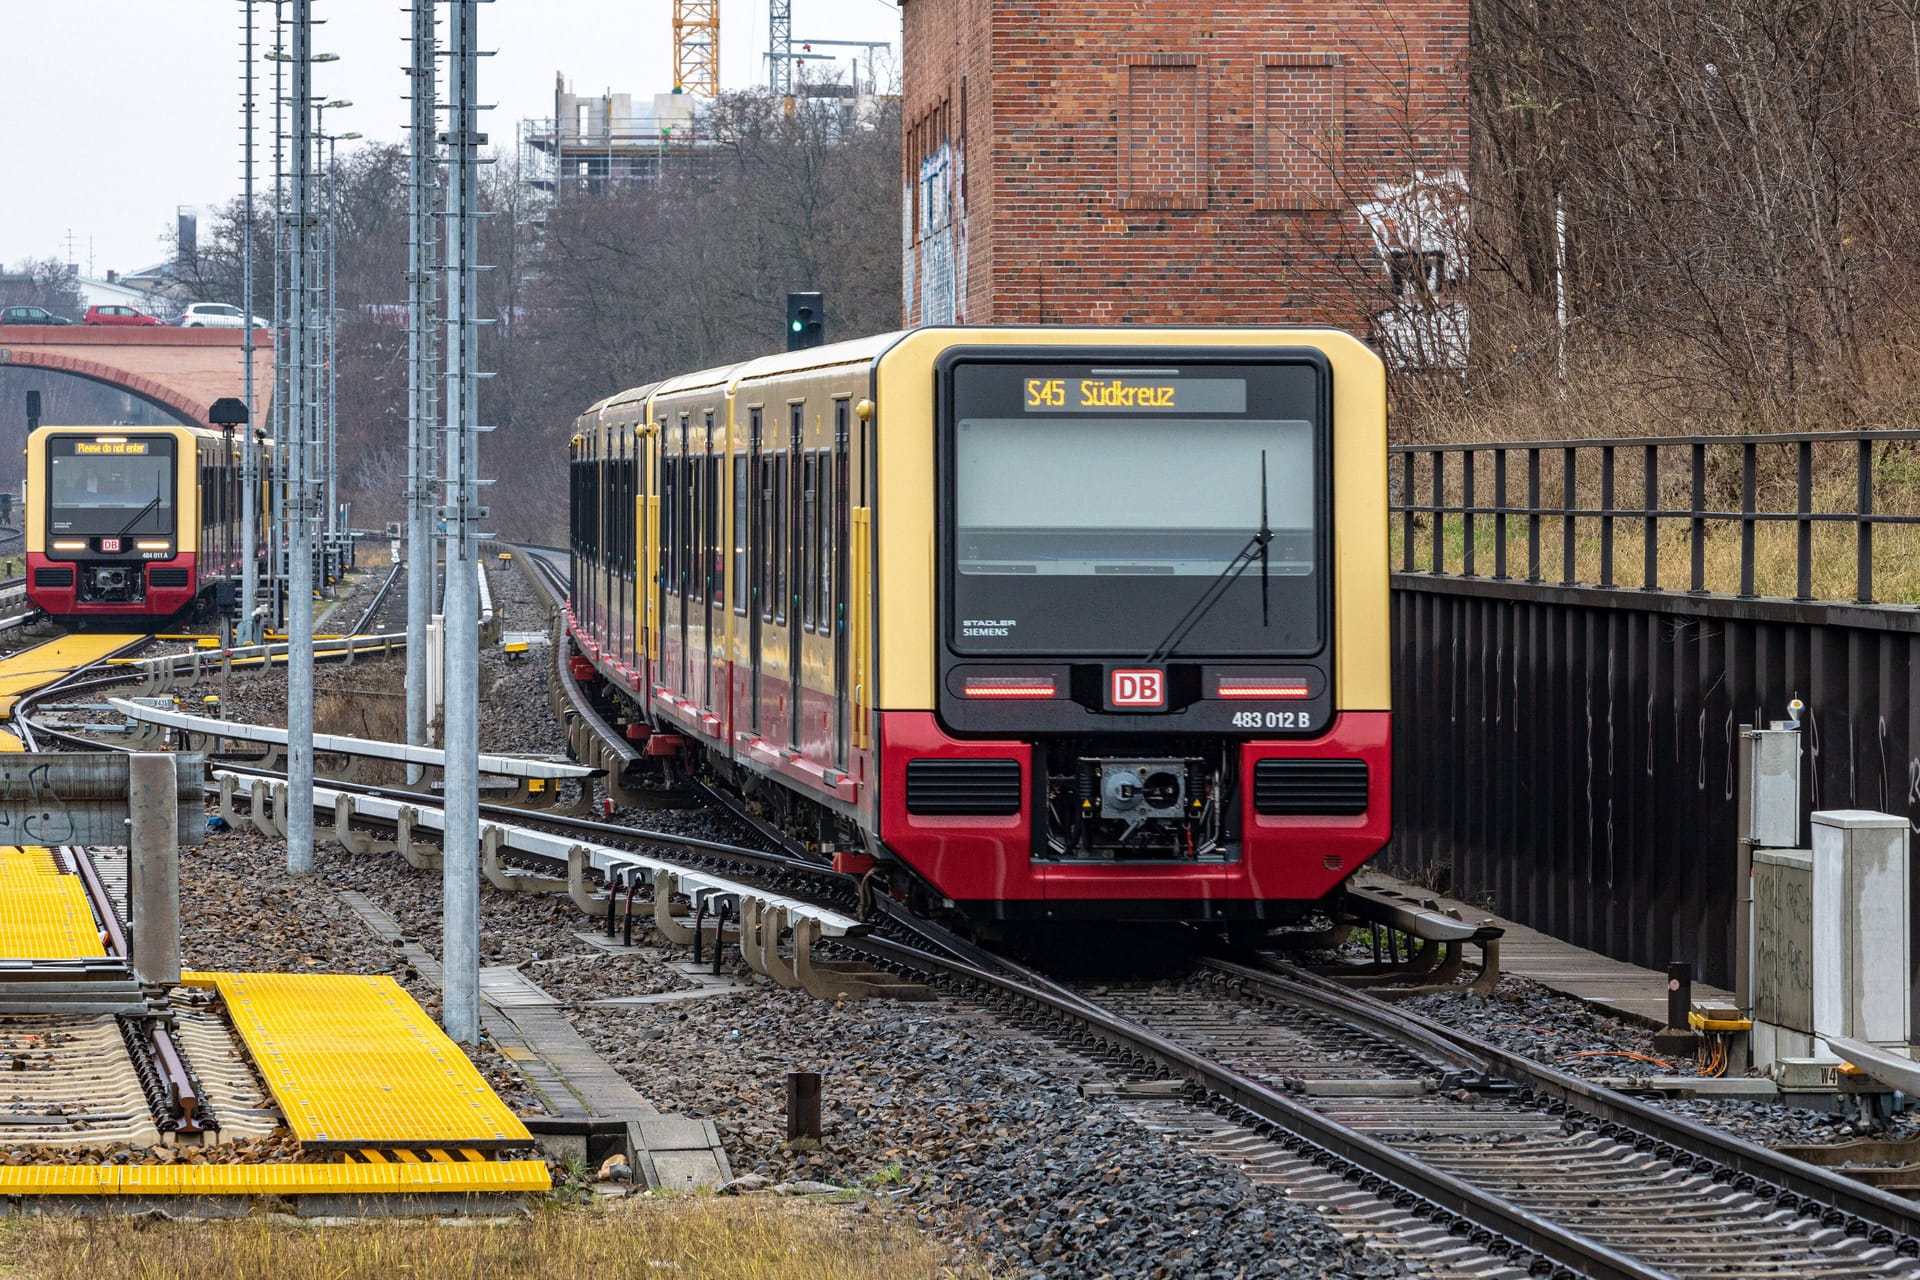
<point>353,1061</point>
<point>274,1179</point>
<point>44,913</point>
<point>27,670</point>
<point>10,743</point>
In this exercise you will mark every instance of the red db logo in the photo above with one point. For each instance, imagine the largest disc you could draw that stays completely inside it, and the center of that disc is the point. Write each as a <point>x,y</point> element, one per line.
<point>1139,689</point>
<point>109,544</point>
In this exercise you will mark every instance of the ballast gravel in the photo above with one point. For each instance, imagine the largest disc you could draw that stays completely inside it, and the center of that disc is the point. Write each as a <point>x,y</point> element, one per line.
<point>1526,1018</point>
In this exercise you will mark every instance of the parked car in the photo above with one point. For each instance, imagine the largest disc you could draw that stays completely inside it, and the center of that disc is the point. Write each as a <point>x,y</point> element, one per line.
<point>30,315</point>
<point>215,315</point>
<point>117,315</point>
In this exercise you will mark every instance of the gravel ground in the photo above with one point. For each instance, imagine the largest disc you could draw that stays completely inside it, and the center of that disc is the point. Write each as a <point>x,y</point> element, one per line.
<point>979,1129</point>
<point>1526,1018</point>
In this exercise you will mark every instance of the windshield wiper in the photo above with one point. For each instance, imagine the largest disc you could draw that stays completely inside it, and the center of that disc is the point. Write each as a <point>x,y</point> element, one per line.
<point>1256,549</point>
<point>141,514</point>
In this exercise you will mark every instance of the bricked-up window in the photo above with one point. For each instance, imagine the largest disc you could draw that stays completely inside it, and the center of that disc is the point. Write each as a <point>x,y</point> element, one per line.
<point>1300,112</point>
<point>1164,132</point>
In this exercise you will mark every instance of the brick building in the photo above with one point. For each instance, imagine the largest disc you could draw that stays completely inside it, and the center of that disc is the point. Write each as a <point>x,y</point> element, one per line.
<point>1242,161</point>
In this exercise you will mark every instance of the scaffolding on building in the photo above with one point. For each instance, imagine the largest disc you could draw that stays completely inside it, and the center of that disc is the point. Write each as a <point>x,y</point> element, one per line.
<point>593,144</point>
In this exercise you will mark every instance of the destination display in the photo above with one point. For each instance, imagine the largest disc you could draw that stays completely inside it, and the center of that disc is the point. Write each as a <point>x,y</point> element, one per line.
<point>1136,395</point>
<point>103,448</point>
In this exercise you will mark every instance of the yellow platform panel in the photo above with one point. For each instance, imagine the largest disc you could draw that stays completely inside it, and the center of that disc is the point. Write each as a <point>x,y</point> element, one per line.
<point>10,743</point>
<point>44,914</point>
<point>29,669</point>
<point>354,1061</point>
<point>273,1179</point>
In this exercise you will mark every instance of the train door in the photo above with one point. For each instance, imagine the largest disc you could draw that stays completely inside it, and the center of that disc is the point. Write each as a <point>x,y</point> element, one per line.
<point>792,585</point>
<point>713,566</point>
<point>616,543</point>
<point>684,523</point>
<point>643,540</point>
<point>589,532</point>
<point>603,593</point>
<point>753,498</point>
<point>859,589</point>
<point>629,544</point>
<point>837,593</point>
<point>663,527</point>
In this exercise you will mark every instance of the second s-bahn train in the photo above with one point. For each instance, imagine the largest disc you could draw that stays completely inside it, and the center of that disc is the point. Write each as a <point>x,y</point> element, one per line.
<point>132,523</point>
<point>1038,623</point>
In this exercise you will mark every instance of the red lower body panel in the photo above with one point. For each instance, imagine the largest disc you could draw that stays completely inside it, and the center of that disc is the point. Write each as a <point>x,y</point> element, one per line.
<point>64,601</point>
<point>1283,860</point>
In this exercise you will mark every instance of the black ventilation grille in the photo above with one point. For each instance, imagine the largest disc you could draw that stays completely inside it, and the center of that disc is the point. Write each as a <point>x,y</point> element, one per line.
<point>60,577</point>
<point>1282,787</point>
<point>963,786</point>
<point>175,577</point>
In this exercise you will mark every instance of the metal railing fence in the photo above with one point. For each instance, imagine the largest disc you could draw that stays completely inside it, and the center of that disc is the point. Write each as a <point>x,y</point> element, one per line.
<point>1584,498</point>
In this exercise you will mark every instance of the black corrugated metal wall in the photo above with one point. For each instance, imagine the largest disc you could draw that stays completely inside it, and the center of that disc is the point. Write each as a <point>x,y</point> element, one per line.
<point>1568,754</point>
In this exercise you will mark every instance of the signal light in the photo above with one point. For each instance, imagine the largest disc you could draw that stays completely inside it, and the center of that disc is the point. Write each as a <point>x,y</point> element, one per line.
<point>806,320</point>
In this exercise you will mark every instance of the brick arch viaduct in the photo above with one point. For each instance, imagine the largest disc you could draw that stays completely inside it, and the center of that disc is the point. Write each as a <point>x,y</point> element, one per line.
<point>181,371</point>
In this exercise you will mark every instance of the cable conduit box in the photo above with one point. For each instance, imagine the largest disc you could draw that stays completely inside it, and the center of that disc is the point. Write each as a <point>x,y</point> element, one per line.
<point>1771,758</point>
<point>1782,954</point>
<point>1862,937</point>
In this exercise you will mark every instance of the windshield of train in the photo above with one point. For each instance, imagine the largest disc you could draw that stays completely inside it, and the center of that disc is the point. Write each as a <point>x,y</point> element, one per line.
<point>110,486</point>
<point>1121,512</point>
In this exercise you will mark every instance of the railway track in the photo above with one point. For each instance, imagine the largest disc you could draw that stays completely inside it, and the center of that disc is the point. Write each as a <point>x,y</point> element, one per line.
<point>1532,1166</point>
<point>1451,1153</point>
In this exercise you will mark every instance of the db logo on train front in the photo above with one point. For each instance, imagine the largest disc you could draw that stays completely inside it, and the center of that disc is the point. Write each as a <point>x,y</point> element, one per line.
<point>1138,689</point>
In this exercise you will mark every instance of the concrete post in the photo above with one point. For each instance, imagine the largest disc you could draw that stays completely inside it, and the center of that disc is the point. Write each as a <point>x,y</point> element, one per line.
<point>461,1016</point>
<point>153,858</point>
<point>249,467</point>
<point>420,373</point>
<point>299,497</point>
<point>803,1105</point>
<point>276,465</point>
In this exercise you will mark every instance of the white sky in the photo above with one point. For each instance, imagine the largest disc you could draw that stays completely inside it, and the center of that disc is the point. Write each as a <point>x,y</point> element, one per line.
<point>117,111</point>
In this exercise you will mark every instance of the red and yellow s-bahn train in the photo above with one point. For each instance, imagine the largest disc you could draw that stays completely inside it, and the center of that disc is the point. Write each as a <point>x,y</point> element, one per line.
<point>128,523</point>
<point>1042,623</point>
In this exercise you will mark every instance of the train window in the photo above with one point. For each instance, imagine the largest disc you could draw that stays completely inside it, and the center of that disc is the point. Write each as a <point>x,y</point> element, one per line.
<point>715,562</point>
<point>809,534</point>
<point>626,517</point>
<point>590,510</point>
<point>692,551</point>
<point>740,533</point>
<point>780,524</point>
<point>765,467</point>
<point>669,516</point>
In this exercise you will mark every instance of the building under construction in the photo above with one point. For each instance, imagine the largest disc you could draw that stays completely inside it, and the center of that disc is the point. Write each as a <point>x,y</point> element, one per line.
<point>592,143</point>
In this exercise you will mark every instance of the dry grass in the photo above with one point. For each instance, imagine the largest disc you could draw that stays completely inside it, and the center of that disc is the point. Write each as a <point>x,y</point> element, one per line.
<point>712,1238</point>
<point>1624,396</point>
<point>1896,547</point>
<point>373,553</point>
<point>374,705</point>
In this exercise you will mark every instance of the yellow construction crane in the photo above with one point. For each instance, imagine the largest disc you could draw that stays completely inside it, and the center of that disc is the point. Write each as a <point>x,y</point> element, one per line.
<point>696,47</point>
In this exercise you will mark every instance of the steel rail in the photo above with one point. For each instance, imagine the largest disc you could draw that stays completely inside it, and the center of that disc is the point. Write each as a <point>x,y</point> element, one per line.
<point>96,889</point>
<point>1449,1201</point>
<point>1875,1214</point>
<point>379,598</point>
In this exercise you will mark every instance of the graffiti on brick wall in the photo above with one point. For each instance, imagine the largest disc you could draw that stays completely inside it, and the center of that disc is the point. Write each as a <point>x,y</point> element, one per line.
<point>1419,231</point>
<point>935,262</point>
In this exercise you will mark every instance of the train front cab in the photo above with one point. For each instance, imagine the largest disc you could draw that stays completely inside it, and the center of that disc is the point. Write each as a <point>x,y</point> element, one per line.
<point>1033,761</point>
<point>129,521</point>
